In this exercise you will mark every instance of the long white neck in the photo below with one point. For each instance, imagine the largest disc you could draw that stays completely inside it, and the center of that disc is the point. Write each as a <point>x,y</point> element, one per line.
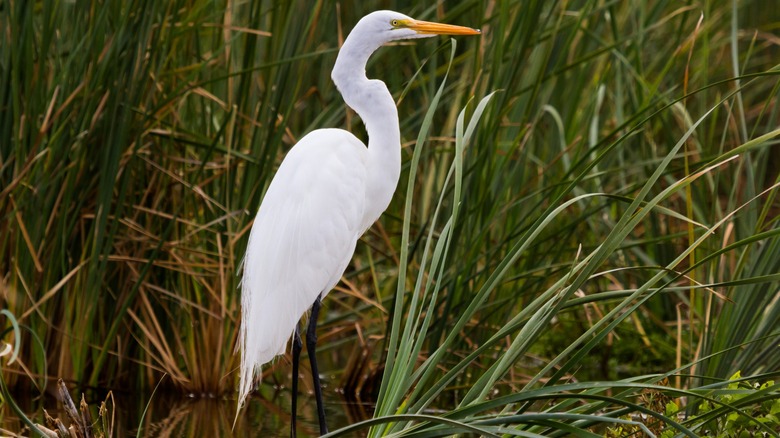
<point>375,106</point>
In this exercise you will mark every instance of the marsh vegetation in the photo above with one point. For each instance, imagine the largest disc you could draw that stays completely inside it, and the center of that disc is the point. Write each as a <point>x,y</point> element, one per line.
<point>585,239</point>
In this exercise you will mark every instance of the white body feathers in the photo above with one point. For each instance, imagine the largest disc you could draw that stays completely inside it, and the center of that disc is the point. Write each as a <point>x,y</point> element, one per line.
<point>328,190</point>
<point>301,242</point>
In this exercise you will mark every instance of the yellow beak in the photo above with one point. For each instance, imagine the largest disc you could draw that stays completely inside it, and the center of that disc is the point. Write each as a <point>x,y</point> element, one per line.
<point>428,27</point>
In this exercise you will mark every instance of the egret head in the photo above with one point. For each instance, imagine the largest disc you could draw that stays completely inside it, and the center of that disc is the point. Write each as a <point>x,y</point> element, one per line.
<point>369,34</point>
<point>385,26</point>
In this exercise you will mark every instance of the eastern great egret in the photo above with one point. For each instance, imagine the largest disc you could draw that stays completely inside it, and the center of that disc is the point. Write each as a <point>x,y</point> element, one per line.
<point>328,190</point>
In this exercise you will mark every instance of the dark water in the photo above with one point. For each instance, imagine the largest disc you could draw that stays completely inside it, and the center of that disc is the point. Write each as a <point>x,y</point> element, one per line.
<point>267,414</point>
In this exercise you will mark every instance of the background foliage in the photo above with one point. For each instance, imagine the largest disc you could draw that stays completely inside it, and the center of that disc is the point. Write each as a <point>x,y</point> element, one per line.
<point>612,213</point>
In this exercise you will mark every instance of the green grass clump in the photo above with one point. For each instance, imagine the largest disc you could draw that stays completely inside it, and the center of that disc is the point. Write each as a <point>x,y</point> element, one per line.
<point>751,408</point>
<point>587,214</point>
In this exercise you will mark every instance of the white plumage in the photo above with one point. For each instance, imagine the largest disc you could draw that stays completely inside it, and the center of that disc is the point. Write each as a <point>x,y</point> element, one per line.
<point>328,190</point>
<point>301,242</point>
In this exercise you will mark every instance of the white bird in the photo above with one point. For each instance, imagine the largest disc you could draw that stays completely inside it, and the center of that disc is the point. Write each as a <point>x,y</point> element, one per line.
<point>328,190</point>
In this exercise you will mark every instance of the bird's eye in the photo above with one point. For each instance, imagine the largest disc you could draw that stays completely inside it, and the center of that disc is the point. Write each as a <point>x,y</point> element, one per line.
<point>394,23</point>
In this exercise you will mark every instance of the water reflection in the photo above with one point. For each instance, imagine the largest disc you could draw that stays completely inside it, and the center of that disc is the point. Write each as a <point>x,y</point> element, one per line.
<point>266,415</point>
<point>271,416</point>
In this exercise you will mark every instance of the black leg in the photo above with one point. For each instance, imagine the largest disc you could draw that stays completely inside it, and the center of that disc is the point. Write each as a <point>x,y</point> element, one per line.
<point>296,351</point>
<point>311,347</point>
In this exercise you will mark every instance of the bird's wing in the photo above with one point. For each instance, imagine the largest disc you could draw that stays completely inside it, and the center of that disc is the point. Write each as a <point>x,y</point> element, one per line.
<point>301,241</point>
